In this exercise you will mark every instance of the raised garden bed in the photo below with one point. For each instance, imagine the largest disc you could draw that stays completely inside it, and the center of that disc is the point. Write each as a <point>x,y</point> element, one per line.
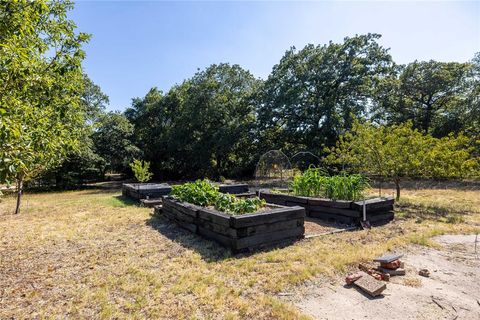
<point>152,191</point>
<point>233,188</point>
<point>240,232</point>
<point>145,190</point>
<point>378,210</point>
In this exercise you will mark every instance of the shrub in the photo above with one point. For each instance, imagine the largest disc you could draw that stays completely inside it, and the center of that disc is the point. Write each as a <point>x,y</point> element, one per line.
<point>141,170</point>
<point>205,194</point>
<point>315,182</point>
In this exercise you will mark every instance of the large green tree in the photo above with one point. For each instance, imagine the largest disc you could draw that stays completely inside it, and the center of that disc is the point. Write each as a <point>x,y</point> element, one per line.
<point>201,127</point>
<point>84,163</point>
<point>41,83</point>
<point>433,95</point>
<point>312,95</point>
<point>113,141</point>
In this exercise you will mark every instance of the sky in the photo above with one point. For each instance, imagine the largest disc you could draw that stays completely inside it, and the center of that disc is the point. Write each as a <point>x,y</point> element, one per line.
<point>137,45</point>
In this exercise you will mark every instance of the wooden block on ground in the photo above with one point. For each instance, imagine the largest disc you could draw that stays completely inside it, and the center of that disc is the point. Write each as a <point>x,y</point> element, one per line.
<point>370,285</point>
<point>388,258</point>
<point>150,203</point>
<point>397,272</point>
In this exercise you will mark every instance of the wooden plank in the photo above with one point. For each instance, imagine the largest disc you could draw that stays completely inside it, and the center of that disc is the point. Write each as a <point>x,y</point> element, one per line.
<point>281,198</point>
<point>294,203</point>
<point>266,238</point>
<point>387,258</point>
<point>331,210</point>
<point>370,285</point>
<point>214,216</point>
<point>184,207</point>
<point>373,203</point>
<point>342,204</point>
<point>333,217</point>
<point>180,216</point>
<point>217,228</point>
<point>224,240</point>
<point>150,203</point>
<point>275,215</point>
<point>233,188</point>
<point>188,226</point>
<point>379,210</point>
<point>396,272</point>
<point>272,198</point>
<point>270,227</point>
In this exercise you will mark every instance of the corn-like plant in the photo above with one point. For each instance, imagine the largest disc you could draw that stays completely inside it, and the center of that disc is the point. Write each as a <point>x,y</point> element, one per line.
<point>310,184</point>
<point>315,182</point>
<point>346,187</point>
<point>204,193</point>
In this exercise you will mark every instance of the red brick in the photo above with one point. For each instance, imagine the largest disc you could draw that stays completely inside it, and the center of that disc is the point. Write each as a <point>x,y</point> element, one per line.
<point>391,265</point>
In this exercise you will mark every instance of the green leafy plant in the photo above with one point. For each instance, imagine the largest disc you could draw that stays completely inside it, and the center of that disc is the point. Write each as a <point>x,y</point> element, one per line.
<point>311,183</point>
<point>315,182</point>
<point>346,187</point>
<point>205,194</point>
<point>141,170</point>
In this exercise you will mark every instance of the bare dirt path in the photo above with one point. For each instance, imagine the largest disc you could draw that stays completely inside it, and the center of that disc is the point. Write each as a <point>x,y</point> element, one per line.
<point>451,292</point>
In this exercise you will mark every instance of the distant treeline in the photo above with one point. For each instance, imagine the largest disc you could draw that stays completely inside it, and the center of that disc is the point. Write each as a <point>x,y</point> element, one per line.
<point>221,120</point>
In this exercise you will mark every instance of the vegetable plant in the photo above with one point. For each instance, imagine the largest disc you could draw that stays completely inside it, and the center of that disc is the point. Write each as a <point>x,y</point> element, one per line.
<point>205,194</point>
<point>315,182</point>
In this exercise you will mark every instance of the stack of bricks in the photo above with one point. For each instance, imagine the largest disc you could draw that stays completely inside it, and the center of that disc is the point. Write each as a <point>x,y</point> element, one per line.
<point>391,265</point>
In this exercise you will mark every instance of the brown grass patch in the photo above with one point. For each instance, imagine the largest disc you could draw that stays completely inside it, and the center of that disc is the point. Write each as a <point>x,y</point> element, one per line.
<point>88,254</point>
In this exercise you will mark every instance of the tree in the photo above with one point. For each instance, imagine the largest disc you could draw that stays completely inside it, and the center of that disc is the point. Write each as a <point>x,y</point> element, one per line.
<point>141,170</point>
<point>41,82</point>
<point>399,151</point>
<point>200,127</point>
<point>113,141</point>
<point>313,95</point>
<point>82,164</point>
<point>433,95</point>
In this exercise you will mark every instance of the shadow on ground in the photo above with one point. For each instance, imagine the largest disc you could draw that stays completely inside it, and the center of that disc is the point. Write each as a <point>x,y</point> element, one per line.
<point>209,250</point>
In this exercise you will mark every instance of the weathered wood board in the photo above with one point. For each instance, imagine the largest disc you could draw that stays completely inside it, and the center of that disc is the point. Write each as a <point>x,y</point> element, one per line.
<point>378,210</point>
<point>241,232</point>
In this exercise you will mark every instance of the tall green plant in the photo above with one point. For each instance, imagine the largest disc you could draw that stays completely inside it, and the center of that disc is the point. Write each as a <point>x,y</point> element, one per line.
<point>141,170</point>
<point>315,182</point>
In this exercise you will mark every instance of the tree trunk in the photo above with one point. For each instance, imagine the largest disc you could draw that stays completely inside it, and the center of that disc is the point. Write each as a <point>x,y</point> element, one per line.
<point>19,193</point>
<point>397,185</point>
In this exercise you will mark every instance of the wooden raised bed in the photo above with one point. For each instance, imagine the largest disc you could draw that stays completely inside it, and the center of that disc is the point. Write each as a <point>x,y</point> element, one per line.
<point>233,188</point>
<point>239,233</point>
<point>139,191</point>
<point>145,190</point>
<point>378,210</point>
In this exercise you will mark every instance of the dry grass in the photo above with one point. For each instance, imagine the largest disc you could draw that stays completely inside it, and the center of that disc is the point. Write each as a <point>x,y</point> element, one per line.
<point>87,254</point>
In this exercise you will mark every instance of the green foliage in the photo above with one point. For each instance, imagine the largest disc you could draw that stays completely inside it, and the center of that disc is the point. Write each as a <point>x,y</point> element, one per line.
<point>310,183</point>
<point>433,95</point>
<point>202,127</point>
<point>399,151</point>
<point>40,83</point>
<point>315,182</point>
<point>346,187</point>
<point>141,170</point>
<point>312,93</point>
<point>204,193</point>
<point>113,141</point>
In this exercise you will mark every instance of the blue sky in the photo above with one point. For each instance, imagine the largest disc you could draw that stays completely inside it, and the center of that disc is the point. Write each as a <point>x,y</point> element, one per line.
<point>136,45</point>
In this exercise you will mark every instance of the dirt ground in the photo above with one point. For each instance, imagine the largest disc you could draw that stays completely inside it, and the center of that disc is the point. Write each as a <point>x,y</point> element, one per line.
<point>451,292</point>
